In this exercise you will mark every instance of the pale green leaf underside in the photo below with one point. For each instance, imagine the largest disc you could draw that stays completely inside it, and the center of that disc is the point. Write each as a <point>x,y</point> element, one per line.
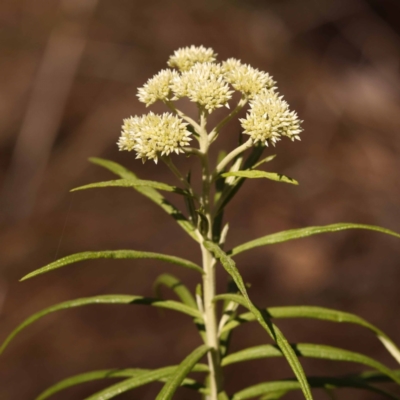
<point>177,286</point>
<point>254,174</point>
<point>105,299</point>
<point>320,313</point>
<point>107,374</point>
<point>310,351</point>
<point>150,193</point>
<point>142,379</point>
<point>133,183</point>
<point>279,388</point>
<point>115,254</point>
<point>184,368</point>
<point>261,317</point>
<point>291,234</point>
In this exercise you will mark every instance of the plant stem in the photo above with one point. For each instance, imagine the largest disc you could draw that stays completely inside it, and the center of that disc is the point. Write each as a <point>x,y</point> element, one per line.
<point>216,130</point>
<point>209,263</point>
<point>191,121</point>
<point>232,155</point>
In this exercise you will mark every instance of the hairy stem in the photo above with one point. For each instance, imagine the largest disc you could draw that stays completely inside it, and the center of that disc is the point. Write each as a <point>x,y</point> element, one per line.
<point>215,131</point>
<point>231,156</point>
<point>209,263</point>
<point>191,121</point>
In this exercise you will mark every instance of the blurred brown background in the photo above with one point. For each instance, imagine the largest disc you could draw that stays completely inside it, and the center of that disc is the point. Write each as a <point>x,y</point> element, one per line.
<point>68,76</point>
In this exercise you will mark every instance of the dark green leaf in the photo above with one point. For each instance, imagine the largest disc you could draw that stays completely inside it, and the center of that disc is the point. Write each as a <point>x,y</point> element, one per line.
<point>261,317</point>
<point>115,254</point>
<point>305,232</point>
<point>254,174</point>
<point>105,299</point>
<point>150,193</point>
<point>184,368</point>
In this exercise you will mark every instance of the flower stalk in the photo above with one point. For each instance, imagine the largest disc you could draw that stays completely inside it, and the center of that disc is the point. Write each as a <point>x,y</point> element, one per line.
<point>196,75</point>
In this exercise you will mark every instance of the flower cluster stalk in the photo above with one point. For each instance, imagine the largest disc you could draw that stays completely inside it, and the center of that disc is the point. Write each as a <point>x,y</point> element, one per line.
<point>209,263</point>
<point>198,76</point>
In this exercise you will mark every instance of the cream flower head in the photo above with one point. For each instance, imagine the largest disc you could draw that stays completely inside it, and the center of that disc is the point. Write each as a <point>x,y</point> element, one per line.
<point>157,88</point>
<point>152,135</point>
<point>186,57</point>
<point>246,79</point>
<point>269,118</point>
<point>204,84</point>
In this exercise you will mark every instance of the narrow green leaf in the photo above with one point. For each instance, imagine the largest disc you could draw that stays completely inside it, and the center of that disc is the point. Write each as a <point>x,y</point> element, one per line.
<point>374,376</point>
<point>88,377</point>
<point>142,379</point>
<point>254,174</point>
<point>115,254</point>
<point>133,183</point>
<point>320,313</point>
<point>264,160</point>
<point>273,395</point>
<point>111,373</point>
<point>184,368</point>
<point>291,234</point>
<point>309,351</point>
<point>113,167</point>
<point>150,193</point>
<point>105,299</point>
<point>284,386</point>
<point>232,188</point>
<point>262,318</point>
<point>177,286</point>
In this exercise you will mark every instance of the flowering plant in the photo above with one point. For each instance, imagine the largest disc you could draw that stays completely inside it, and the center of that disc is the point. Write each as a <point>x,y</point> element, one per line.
<point>195,74</point>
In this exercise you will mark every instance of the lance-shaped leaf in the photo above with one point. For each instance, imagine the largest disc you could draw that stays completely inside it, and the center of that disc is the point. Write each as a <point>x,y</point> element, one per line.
<point>254,174</point>
<point>115,254</point>
<point>142,379</point>
<point>177,286</point>
<point>105,299</point>
<point>291,234</point>
<point>264,160</point>
<point>280,388</point>
<point>310,351</point>
<point>184,368</point>
<point>262,318</point>
<point>89,377</point>
<point>320,313</point>
<point>107,374</point>
<point>150,193</point>
<point>133,183</point>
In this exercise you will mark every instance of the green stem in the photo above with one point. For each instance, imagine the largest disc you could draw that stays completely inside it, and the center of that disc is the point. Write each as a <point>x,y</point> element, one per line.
<point>209,263</point>
<point>214,133</point>
<point>167,160</point>
<point>191,121</point>
<point>231,156</point>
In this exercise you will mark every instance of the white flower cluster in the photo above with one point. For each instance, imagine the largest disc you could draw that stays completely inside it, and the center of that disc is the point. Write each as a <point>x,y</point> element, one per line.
<point>185,58</point>
<point>158,87</point>
<point>209,84</point>
<point>246,79</point>
<point>152,135</point>
<point>203,84</point>
<point>269,118</point>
